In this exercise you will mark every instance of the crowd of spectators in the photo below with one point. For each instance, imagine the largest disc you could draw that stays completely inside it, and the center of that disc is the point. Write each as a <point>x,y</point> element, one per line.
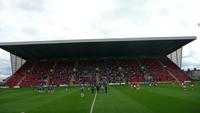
<point>114,70</point>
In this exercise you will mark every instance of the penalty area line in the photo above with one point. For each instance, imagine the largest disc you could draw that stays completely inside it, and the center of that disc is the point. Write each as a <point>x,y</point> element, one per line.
<point>91,109</point>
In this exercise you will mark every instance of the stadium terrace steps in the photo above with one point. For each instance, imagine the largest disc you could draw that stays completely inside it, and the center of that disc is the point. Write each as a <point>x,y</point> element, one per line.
<point>173,76</point>
<point>18,75</point>
<point>164,68</point>
<point>72,79</point>
<point>31,69</point>
<point>153,67</point>
<point>175,70</point>
<point>97,77</point>
<point>18,84</point>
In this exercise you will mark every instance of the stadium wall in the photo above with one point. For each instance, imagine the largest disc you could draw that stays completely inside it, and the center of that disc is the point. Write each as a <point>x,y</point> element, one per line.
<point>176,57</point>
<point>16,62</point>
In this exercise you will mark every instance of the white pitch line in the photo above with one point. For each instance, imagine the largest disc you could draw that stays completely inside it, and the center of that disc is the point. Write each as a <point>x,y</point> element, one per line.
<point>91,109</point>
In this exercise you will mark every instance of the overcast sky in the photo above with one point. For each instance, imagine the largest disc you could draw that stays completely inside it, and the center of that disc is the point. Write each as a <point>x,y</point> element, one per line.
<point>33,20</point>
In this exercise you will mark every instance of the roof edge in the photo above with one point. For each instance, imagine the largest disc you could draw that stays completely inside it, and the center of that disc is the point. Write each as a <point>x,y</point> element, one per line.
<point>98,40</point>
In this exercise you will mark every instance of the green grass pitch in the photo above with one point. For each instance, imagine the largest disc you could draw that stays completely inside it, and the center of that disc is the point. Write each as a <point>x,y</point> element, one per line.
<point>120,99</point>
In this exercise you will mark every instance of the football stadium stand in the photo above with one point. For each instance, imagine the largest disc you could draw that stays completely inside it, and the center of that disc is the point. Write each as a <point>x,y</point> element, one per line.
<point>125,60</point>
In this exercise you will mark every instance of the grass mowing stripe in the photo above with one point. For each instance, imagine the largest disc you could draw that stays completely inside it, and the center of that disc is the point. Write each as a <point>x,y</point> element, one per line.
<point>188,95</point>
<point>162,103</point>
<point>115,101</point>
<point>91,109</point>
<point>30,102</point>
<point>119,99</point>
<point>69,103</point>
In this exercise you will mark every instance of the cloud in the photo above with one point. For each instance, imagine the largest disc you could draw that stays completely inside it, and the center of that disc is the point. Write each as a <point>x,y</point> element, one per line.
<point>191,55</point>
<point>23,20</point>
<point>34,5</point>
<point>5,67</point>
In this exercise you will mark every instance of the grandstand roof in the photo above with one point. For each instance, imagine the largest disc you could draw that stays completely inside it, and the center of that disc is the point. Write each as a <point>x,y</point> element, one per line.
<point>147,46</point>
